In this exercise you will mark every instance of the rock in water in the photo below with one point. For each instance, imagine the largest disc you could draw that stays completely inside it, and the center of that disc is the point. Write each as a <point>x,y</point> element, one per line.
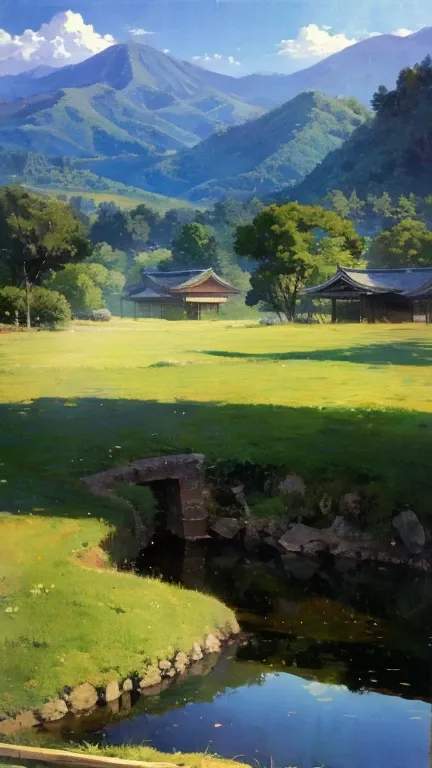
<point>112,691</point>
<point>299,536</point>
<point>226,527</point>
<point>410,530</point>
<point>54,710</point>
<point>83,697</point>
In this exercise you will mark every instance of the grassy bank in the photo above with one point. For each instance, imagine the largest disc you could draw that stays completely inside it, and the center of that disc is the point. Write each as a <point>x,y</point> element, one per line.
<point>147,755</point>
<point>346,407</point>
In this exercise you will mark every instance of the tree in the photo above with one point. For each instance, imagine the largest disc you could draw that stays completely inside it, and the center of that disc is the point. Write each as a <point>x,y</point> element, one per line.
<point>48,307</point>
<point>86,286</point>
<point>285,243</point>
<point>195,248</point>
<point>78,287</point>
<point>406,207</point>
<point>379,98</point>
<point>149,260</point>
<point>109,257</point>
<point>407,244</point>
<point>111,226</point>
<point>382,207</point>
<point>37,235</point>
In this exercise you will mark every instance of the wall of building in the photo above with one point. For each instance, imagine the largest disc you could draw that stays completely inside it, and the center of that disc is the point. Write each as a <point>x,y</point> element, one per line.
<point>386,309</point>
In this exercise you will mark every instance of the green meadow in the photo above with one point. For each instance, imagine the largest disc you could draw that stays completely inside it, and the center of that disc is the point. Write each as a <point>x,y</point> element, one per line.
<point>346,407</point>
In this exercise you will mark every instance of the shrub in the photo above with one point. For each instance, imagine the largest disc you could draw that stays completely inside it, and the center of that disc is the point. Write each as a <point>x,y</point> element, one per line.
<point>47,308</point>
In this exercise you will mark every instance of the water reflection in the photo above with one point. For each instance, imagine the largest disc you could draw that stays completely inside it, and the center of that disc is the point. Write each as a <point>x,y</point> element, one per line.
<point>336,671</point>
<point>287,720</point>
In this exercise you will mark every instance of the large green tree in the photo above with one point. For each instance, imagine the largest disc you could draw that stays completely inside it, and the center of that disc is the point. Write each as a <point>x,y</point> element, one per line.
<point>286,244</point>
<point>37,235</point>
<point>87,286</point>
<point>407,244</point>
<point>194,248</point>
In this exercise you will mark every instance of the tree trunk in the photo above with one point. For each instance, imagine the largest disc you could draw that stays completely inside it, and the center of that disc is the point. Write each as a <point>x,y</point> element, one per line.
<point>27,291</point>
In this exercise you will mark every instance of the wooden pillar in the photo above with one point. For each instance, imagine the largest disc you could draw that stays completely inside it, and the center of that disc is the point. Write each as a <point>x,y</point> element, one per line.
<point>334,313</point>
<point>135,311</point>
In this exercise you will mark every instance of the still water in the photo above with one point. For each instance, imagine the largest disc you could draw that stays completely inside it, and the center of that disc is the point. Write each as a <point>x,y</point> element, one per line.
<point>335,671</point>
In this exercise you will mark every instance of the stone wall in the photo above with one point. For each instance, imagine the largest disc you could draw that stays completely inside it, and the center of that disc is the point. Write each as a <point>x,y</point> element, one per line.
<point>183,482</point>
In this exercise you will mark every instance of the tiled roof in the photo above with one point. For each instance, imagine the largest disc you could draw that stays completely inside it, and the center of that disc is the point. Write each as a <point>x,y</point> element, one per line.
<point>401,281</point>
<point>157,284</point>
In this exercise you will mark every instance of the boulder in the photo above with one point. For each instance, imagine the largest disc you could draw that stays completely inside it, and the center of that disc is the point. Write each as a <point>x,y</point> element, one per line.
<point>151,676</point>
<point>342,529</point>
<point>165,666</point>
<point>53,710</point>
<point>293,484</point>
<point>127,686</point>
<point>26,720</point>
<point>350,505</point>
<point>226,527</point>
<point>212,644</point>
<point>83,697</point>
<point>197,653</point>
<point>112,691</point>
<point>325,505</point>
<point>299,536</point>
<point>240,497</point>
<point>9,727</point>
<point>181,662</point>
<point>410,530</point>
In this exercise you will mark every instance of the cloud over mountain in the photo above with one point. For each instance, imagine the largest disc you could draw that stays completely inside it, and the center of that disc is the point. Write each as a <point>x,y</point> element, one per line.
<point>314,42</point>
<point>66,39</point>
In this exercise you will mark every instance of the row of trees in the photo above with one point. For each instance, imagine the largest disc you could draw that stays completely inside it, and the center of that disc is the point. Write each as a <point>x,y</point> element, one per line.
<point>48,243</point>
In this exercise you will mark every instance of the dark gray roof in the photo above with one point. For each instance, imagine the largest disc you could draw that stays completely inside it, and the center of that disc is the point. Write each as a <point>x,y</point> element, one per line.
<point>366,281</point>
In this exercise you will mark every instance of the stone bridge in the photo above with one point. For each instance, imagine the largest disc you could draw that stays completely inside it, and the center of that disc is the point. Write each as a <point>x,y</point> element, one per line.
<point>177,480</point>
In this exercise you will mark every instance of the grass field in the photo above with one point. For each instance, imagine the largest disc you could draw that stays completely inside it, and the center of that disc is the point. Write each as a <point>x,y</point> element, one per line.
<point>158,203</point>
<point>347,407</point>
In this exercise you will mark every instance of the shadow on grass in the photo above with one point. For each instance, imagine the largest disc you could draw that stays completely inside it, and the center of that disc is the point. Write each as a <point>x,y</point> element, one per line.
<point>413,353</point>
<point>47,446</point>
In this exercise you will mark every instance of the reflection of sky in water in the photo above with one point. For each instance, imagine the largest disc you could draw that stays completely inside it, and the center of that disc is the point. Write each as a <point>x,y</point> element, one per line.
<point>294,723</point>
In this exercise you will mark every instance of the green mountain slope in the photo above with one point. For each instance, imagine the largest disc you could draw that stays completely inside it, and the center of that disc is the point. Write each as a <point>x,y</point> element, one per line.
<point>254,159</point>
<point>392,152</point>
<point>58,176</point>
<point>128,99</point>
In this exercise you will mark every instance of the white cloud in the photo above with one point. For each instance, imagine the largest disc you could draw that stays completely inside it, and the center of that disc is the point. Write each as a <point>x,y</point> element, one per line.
<point>403,32</point>
<point>66,39</point>
<point>140,32</point>
<point>166,50</point>
<point>314,42</point>
<point>212,60</point>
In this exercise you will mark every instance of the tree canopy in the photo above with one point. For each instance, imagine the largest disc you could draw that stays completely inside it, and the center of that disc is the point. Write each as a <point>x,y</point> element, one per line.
<point>37,235</point>
<point>195,247</point>
<point>407,244</point>
<point>288,246</point>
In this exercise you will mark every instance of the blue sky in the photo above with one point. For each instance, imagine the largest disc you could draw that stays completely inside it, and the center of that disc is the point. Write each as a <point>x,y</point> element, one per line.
<point>232,36</point>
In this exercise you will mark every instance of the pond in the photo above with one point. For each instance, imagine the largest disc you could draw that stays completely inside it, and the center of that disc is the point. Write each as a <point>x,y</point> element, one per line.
<point>335,670</point>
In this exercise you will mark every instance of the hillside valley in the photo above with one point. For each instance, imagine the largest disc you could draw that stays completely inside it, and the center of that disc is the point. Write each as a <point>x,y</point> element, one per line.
<point>254,159</point>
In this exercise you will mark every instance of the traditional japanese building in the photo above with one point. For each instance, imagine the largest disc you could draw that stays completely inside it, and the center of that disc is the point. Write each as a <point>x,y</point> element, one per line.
<point>382,295</point>
<point>188,294</point>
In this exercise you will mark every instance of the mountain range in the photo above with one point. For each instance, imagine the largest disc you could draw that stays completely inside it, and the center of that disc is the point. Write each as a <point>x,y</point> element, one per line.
<point>391,153</point>
<point>355,71</point>
<point>127,99</point>
<point>251,160</point>
<point>138,116</point>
